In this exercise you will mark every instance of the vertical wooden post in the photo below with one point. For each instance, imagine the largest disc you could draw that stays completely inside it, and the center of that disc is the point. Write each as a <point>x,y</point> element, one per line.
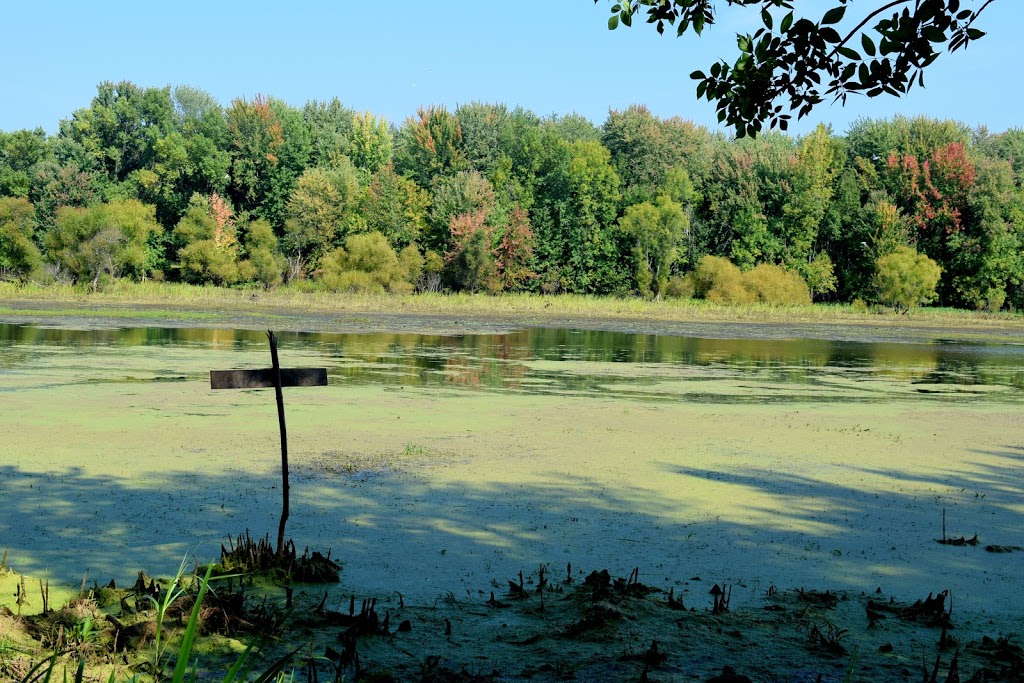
<point>278,378</point>
<point>284,441</point>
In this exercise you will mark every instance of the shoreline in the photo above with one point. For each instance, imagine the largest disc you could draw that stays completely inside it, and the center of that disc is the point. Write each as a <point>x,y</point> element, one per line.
<point>357,315</point>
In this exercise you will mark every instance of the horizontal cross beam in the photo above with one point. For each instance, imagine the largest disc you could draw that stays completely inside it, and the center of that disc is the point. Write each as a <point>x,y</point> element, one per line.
<point>263,378</point>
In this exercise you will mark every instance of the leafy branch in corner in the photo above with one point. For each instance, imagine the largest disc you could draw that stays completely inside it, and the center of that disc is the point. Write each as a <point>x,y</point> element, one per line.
<point>793,63</point>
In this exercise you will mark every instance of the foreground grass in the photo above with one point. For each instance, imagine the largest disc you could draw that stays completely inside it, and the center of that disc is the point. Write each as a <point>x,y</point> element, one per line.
<point>181,301</point>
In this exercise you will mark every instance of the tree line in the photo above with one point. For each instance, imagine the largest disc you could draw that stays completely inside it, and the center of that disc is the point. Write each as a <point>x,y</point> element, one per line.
<point>166,183</point>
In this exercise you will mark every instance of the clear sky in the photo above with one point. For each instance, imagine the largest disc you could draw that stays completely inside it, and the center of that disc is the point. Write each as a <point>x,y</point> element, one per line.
<point>391,56</point>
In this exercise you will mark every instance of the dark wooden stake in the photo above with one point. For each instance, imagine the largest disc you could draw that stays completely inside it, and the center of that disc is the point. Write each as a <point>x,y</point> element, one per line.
<point>279,394</point>
<point>278,378</point>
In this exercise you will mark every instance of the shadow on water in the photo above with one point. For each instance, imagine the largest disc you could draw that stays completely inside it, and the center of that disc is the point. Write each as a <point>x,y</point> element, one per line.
<point>396,532</point>
<point>392,527</point>
<point>893,533</point>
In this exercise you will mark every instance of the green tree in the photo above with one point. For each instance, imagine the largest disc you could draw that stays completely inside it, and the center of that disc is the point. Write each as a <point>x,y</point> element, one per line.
<point>331,128</point>
<point>793,63</point>
<point>19,256</point>
<point>394,206</point>
<point>55,186</point>
<point>114,239</point>
<point>874,140</point>
<point>482,127</point>
<point>429,146</point>
<point>577,204</point>
<point>773,163</point>
<point>739,208</point>
<point>270,148</point>
<point>905,279</point>
<point>370,145</point>
<point>20,152</point>
<point>207,241</point>
<point>989,262</point>
<point>120,128</point>
<point>649,154</point>
<point>656,231</point>
<point>471,264</point>
<point>192,158</point>
<point>1008,146</point>
<point>575,128</point>
<point>819,274</point>
<point>466,192</point>
<point>524,142</point>
<point>322,211</point>
<point>815,166</point>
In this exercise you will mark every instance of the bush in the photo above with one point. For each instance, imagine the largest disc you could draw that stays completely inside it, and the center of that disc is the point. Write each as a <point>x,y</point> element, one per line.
<point>679,288</point>
<point>265,264</point>
<point>349,280</point>
<point>19,255</point>
<point>207,241</point>
<point>905,279</point>
<point>206,262</point>
<point>719,280</point>
<point>473,267</point>
<point>369,264</point>
<point>992,301</point>
<point>777,286</point>
<point>109,240</point>
<point>410,263</point>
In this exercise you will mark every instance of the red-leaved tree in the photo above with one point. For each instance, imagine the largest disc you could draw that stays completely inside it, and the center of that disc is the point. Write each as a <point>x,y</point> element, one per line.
<point>515,250</point>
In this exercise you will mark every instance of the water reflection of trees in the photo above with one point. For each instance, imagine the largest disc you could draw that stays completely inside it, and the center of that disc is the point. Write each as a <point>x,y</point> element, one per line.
<point>33,335</point>
<point>503,360</point>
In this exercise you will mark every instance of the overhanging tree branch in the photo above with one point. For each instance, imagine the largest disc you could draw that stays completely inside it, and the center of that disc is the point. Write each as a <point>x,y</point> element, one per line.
<point>863,23</point>
<point>793,59</point>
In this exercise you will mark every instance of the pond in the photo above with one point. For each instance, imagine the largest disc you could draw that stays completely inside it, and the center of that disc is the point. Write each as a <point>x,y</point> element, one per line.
<point>533,361</point>
<point>433,464</point>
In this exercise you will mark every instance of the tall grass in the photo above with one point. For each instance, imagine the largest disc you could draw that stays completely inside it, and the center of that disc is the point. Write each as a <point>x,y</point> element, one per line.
<point>161,299</point>
<point>185,668</point>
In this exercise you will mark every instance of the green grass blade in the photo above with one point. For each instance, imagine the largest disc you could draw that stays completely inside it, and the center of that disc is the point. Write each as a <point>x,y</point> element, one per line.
<point>185,650</point>
<point>34,673</point>
<point>232,673</point>
<point>271,673</point>
<point>849,671</point>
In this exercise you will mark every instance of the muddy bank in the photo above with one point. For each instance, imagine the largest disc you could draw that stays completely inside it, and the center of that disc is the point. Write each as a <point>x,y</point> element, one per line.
<point>80,315</point>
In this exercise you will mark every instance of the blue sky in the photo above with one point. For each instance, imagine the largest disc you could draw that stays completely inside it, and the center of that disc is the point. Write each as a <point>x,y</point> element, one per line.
<point>389,57</point>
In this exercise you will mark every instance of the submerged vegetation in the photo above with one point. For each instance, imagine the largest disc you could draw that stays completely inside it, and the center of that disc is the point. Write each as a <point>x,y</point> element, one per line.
<point>169,185</point>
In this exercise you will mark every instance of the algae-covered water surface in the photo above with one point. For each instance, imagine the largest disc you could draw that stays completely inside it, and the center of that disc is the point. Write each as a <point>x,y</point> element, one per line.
<point>441,463</point>
<point>537,361</point>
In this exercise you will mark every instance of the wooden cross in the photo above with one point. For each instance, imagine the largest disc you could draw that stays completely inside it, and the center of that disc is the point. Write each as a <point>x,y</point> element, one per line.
<point>278,378</point>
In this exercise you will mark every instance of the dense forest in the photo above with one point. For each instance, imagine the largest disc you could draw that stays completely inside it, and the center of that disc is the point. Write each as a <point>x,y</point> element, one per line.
<point>167,183</point>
